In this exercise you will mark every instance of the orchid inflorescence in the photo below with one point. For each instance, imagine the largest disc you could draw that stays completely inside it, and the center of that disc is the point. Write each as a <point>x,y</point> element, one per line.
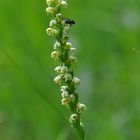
<point>63,51</point>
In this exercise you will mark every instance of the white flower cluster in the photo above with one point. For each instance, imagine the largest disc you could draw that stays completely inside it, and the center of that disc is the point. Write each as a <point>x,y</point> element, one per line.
<point>54,4</point>
<point>64,52</point>
<point>58,47</point>
<point>65,75</point>
<point>67,98</point>
<point>53,9</point>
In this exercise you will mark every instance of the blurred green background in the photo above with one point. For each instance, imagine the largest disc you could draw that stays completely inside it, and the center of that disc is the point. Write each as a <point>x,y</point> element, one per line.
<point>107,37</point>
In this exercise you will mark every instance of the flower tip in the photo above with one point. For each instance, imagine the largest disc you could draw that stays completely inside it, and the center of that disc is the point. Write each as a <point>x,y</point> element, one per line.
<point>76,81</point>
<point>51,31</point>
<point>65,101</point>
<point>68,45</point>
<point>81,107</point>
<point>58,79</point>
<point>55,55</point>
<point>64,4</point>
<point>73,119</point>
<point>50,10</point>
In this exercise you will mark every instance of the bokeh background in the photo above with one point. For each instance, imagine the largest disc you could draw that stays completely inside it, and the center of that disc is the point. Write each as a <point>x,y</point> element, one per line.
<point>107,38</point>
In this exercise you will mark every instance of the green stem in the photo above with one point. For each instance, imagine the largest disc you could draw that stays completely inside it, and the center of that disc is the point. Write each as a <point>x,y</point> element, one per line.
<point>81,132</point>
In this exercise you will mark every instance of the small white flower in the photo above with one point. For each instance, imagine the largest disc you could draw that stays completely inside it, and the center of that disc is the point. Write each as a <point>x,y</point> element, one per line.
<point>58,79</point>
<point>66,30</point>
<point>57,45</point>
<point>58,69</point>
<point>65,94</point>
<point>64,88</point>
<point>64,69</point>
<point>53,22</point>
<point>68,76</point>
<point>59,16</point>
<point>50,2</point>
<point>68,45</point>
<point>55,54</point>
<point>81,107</point>
<point>64,39</point>
<point>50,10</point>
<point>72,58</point>
<point>51,31</point>
<point>64,4</point>
<point>76,80</point>
<point>73,119</point>
<point>65,101</point>
<point>72,49</point>
<point>72,97</point>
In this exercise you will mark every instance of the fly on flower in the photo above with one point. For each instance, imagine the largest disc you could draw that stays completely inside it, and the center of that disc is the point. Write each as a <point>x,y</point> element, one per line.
<point>69,21</point>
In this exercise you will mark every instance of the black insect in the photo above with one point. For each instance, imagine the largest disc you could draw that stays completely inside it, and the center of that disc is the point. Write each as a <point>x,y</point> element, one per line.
<point>69,21</point>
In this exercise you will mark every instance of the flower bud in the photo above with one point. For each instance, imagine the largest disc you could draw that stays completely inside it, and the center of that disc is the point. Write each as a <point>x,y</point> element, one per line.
<point>64,69</point>
<point>64,88</point>
<point>76,81</point>
<point>58,17</point>
<point>64,39</point>
<point>66,30</point>
<point>65,94</point>
<point>72,49</point>
<point>72,58</point>
<point>58,79</point>
<point>64,4</point>
<point>51,31</point>
<point>81,107</point>
<point>68,45</point>
<point>67,76</point>
<point>50,10</point>
<point>72,97</point>
<point>55,54</point>
<point>57,45</point>
<point>73,119</point>
<point>58,69</point>
<point>53,22</point>
<point>50,2</point>
<point>65,101</point>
